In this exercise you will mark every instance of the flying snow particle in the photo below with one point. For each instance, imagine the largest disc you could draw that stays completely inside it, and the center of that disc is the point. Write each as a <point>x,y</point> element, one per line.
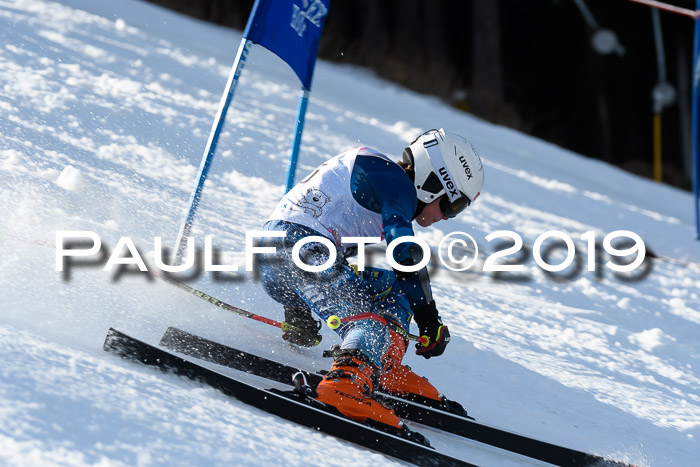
<point>648,339</point>
<point>70,179</point>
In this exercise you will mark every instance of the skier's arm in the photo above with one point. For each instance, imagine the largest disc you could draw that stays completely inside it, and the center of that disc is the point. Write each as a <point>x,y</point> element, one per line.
<point>416,286</point>
<point>383,187</point>
<point>425,314</point>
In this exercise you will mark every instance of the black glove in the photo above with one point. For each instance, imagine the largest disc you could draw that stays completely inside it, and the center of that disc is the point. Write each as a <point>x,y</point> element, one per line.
<point>431,328</point>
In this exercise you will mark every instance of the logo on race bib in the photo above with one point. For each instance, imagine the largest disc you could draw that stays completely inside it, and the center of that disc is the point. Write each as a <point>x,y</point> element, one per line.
<point>313,201</point>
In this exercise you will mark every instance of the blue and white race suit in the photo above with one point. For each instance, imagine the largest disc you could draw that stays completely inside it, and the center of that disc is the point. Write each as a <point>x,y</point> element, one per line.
<point>360,193</point>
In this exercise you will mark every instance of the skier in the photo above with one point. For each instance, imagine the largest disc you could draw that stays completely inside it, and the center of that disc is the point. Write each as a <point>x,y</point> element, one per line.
<point>363,193</point>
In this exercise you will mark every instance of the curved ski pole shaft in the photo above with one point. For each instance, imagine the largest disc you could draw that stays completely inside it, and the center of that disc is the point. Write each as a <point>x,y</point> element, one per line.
<point>224,305</point>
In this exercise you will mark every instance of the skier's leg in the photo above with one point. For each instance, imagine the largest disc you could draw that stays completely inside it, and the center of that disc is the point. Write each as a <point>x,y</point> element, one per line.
<point>356,369</point>
<point>396,377</point>
<point>299,326</point>
<point>339,292</point>
<point>336,291</point>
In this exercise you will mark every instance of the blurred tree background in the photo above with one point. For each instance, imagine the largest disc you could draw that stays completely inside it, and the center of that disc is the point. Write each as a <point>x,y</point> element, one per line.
<point>526,64</point>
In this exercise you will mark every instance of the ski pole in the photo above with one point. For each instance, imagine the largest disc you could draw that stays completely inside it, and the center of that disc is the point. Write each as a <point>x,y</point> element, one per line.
<point>224,305</point>
<point>423,340</point>
<point>335,321</point>
<point>284,326</point>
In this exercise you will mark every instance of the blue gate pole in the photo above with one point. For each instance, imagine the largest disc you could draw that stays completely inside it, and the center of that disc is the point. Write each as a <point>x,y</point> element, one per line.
<point>210,148</point>
<point>696,147</point>
<point>298,129</point>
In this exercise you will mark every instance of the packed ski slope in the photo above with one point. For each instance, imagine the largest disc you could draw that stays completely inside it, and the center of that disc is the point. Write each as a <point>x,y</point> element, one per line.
<point>105,108</point>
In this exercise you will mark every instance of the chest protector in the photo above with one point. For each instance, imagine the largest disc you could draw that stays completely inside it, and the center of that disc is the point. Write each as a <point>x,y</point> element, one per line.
<point>324,202</point>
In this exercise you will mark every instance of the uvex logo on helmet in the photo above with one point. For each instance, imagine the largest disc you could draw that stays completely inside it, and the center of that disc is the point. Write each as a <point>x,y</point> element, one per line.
<point>465,166</point>
<point>448,181</point>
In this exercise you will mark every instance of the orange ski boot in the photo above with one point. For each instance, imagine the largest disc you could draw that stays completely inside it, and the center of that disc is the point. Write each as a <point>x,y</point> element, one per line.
<point>348,387</point>
<point>399,379</point>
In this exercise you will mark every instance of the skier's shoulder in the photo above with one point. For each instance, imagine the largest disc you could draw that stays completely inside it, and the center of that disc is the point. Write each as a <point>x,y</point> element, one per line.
<point>368,152</point>
<point>377,180</point>
<point>373,162</point>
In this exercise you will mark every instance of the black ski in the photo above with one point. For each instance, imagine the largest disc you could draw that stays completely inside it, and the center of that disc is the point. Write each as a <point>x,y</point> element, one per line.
<point>205,349</point>
<point>199,347</point>
<point>286,404</point>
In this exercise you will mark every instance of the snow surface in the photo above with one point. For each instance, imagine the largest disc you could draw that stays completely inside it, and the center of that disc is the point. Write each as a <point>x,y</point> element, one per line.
<point>105,108</point>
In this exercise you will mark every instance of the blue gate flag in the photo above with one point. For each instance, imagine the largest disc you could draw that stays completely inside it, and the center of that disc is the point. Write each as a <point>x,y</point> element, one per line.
<point>291,29</point>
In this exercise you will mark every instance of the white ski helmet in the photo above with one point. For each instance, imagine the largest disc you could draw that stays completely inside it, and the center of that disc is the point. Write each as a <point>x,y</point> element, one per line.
<point>445,163</point>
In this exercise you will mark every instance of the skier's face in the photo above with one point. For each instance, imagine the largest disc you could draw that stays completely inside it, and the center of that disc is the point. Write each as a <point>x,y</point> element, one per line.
<point>431,214</point>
